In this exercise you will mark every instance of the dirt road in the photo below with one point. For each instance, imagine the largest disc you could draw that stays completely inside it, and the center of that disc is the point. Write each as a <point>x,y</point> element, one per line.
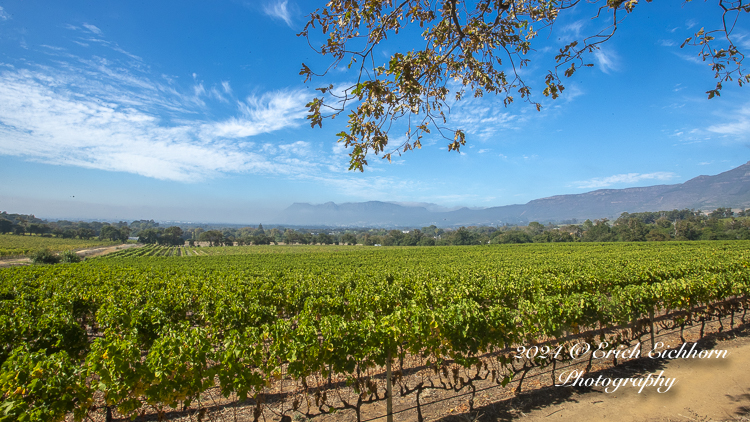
<point>84,253</point>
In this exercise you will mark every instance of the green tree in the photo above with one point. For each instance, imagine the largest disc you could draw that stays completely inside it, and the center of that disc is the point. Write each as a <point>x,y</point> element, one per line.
<point>110,233</point>
<point>324,239</point>
<point>213,237</point>
<point>463,236</point>
<point>535,228</point>
<point>426,241</point>
<point>86,233</point>
<point>599,231</point>
<point>687,230</point>
<point>657,235</point>
<point>124,233</point>
<point>6,226</point>
<point>290,237</point>
<point>721,213</point>
<point>631,229</point>
<point>482,45</point>
<point>149,236</point>
<point>172,236</point>
<point>393,238</point>
<point>276,235</point>
<point>45,256</point>
<point>34,228</point>
<point>69,257</point>
<point>349,238</point>
<point>512,236</point>
<point>551,236</point>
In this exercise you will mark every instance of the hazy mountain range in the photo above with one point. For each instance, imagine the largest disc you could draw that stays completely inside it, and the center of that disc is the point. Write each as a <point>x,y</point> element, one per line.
<point>728,189</point>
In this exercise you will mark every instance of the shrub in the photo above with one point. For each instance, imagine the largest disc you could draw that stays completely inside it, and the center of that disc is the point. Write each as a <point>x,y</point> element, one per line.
<point>69,257</point>
<point>45,256</point>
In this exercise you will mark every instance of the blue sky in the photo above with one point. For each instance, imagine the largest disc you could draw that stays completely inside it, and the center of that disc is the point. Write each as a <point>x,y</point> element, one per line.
<point>194,111</point>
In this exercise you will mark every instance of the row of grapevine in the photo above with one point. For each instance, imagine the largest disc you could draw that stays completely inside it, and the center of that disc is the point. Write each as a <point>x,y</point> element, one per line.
<point>156,251</point>
<point>160,331</point>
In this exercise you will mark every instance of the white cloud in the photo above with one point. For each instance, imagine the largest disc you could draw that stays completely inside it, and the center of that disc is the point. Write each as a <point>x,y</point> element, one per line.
<point>741,39</point>
<point>574,28</point>
<point>572,92</point>
<point>214,93</point>
<point>85,41</point>
<point>607,59</point>
<point>739,127</point>
<point>90,114</point>
<point>3,15</point>
<point>629,178</point>
<point>92,28</point>
<point>691,58</point>
<point>199,90</point>
<point>667,43</point>
<point>227,88</point>
<point>482,117</point>
<point>279,10</point>
<point>267,113</point>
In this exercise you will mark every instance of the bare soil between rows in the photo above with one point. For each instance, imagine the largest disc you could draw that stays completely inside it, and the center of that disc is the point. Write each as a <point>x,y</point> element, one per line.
<point>83,253</point>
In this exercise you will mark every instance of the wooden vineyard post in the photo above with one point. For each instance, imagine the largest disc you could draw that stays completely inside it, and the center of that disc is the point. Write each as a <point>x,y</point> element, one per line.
<point>389,389</point>
<point>651,321</point>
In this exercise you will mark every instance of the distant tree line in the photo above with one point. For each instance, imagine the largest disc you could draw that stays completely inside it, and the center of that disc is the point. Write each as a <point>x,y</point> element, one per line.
<point>22,225</point>
<point>722,223</point>
<point>685,224</point>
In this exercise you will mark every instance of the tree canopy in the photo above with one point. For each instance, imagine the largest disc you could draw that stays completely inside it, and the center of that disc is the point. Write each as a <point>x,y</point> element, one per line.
<point>482,45</point>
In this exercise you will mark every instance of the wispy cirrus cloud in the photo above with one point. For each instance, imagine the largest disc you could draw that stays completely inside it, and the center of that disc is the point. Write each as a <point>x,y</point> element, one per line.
<point>113,115</point>
<point>742,39</point>
<point>574,28</point>
<point>279,10</point>
<point>482,117</point>
<point>4,16</point>
<point>87,39</point>
<point>628,178</point>
<point>666,43</point>
<point>690,58</point>
<point>93,28</point>
<point>607,59</point>
<point>739,126</point>
<point>261,114</point>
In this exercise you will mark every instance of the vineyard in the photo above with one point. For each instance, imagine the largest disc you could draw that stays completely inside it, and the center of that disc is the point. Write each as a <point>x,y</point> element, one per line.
<point>157,250</point>
<point>12,245</point>
<point>311,331</point>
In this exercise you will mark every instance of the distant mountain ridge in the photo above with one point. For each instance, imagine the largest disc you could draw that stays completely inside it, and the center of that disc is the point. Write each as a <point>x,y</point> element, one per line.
<point>728,189</point>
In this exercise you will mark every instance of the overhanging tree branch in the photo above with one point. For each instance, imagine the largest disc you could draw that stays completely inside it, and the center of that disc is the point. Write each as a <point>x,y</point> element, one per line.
<point>482,51</point>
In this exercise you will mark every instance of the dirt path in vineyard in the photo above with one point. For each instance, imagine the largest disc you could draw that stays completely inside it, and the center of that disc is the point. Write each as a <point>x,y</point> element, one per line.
<point>84,253</point>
